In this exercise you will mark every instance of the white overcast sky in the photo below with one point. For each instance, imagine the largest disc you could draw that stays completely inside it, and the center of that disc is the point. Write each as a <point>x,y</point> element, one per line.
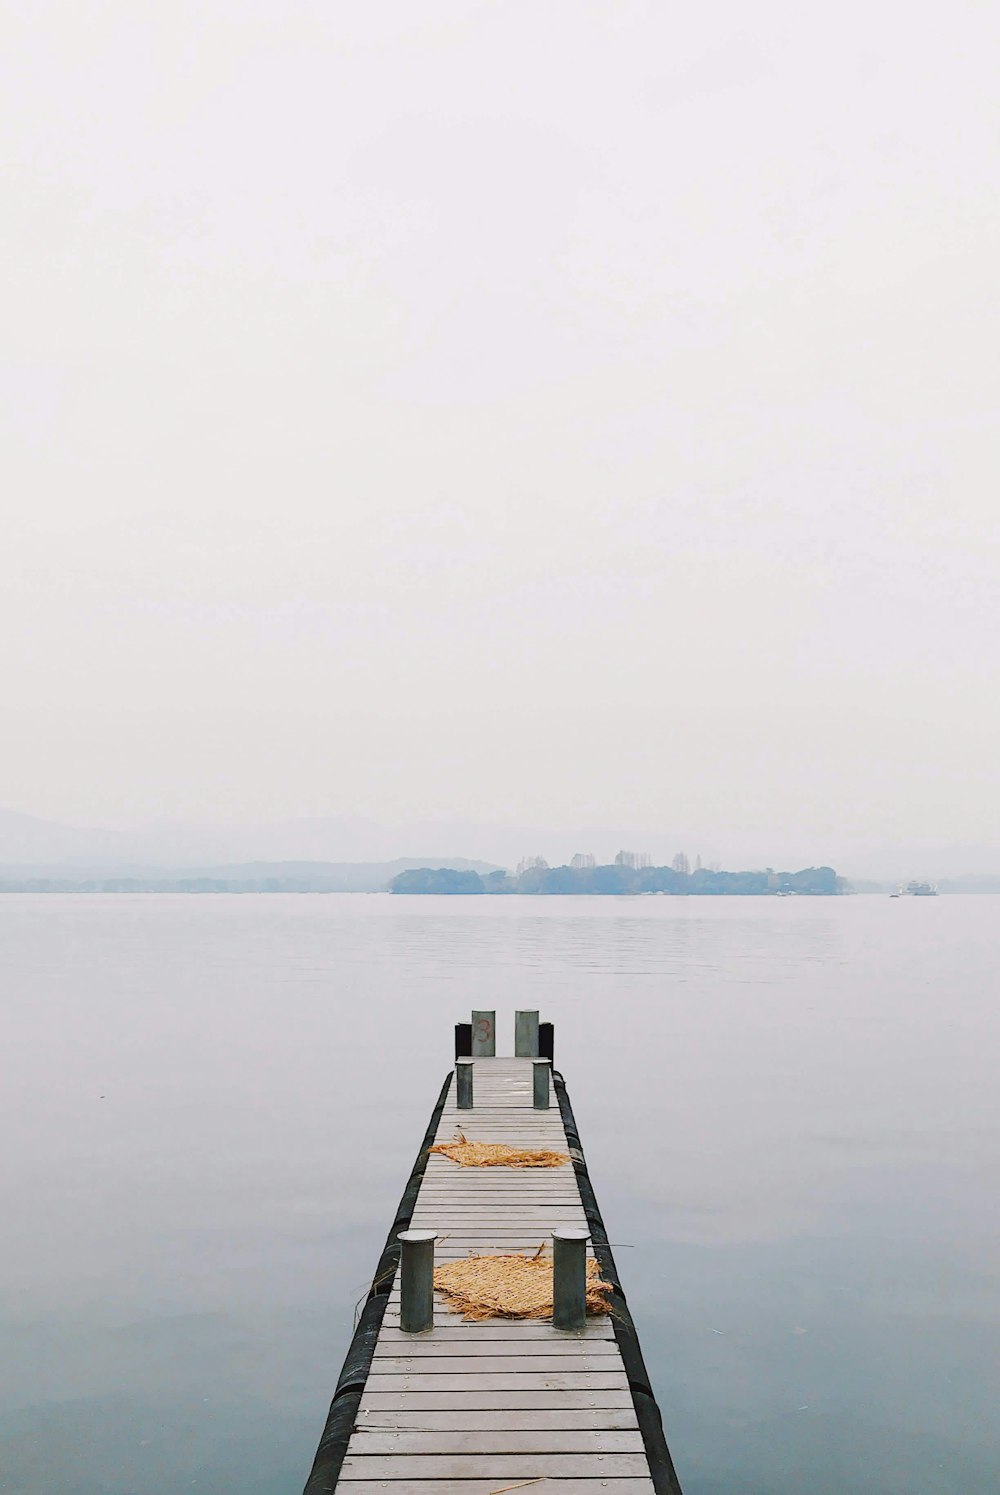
<point>545,412</point>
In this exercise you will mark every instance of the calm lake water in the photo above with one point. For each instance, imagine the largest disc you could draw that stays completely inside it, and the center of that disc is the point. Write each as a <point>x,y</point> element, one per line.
<point>791,1113</point>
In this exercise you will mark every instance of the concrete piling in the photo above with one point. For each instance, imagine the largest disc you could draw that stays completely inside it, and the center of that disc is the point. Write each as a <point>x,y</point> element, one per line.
<point>416,1280</point>
<point>463,1084</point>
<point>569,1277</point>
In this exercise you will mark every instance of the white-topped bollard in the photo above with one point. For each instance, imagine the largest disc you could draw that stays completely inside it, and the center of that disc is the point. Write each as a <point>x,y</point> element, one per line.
<point>484,1035</point>
<point>569,1277</point>
<point>416,1280</point>
<point>540,1084</point>
<point>463,1084</point>
<point>525,1035</point>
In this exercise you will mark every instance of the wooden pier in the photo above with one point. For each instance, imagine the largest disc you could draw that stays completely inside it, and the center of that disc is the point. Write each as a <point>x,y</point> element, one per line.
<point>476,1408</point>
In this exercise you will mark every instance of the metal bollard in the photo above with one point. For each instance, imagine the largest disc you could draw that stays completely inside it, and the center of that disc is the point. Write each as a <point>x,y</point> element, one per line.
<point>525,1035</point>
<point>416,1280</point>
<point>540,1084</point>
<point>569,1277</point>
<point>463,1084</point>
<point>484,1035</point>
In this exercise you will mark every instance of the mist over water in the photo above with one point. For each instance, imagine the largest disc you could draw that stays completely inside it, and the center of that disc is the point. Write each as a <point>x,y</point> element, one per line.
<point>789,1112</point>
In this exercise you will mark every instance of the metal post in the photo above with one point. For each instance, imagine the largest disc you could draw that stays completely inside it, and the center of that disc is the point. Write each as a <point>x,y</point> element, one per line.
<point>463,1040</point>
<point>416,1280</point>
<point>484,1035</point>
<point>525,1035</point>
<point>463,1084</point>
<point>569,1277</point>
<point>547,1041</point>
<point>540,1084</point>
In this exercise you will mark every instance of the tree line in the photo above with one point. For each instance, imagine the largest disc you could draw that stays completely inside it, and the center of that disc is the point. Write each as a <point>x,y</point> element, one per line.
<point>620,878</point>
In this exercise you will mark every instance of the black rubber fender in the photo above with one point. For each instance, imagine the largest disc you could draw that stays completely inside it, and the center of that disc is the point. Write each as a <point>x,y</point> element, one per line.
<point>357,1362</point>
<point>661,1465</point>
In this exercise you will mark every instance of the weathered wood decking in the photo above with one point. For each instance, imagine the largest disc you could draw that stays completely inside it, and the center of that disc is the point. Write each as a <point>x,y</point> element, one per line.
<point>471,1409</point>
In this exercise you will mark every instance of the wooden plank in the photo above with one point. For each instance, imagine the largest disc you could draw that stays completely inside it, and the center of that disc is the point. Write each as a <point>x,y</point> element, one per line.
<point>552,1486</point>
<point>472,1397</point>
<point>508,1118</point>
<point>500,1329</point>
<point>497,1201</point>
<point>498,1466</point>
<point>421,1348</point>
<point>496,1204</point>
<point>535,1233</point>
<point>506,1178</point>
<point>478,1220</point>
<point>494,1127</point>
<point>499,1211</point>
<point>502,1189</point>
<point>513,1213</point>
<point>507,1184</point>
<point>504,1220</point>
<point>574,1380</point>
<point>483,1365</point>
<point>459,1250</point>
<point>538,1224</point>
<point>366,1442</point>
<point>447,1317</point>
<point>470,1236</point>
<point>452,1421</point>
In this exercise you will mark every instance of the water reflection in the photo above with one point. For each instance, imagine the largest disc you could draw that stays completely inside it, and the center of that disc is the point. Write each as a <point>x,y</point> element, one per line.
<point>789,1112</point>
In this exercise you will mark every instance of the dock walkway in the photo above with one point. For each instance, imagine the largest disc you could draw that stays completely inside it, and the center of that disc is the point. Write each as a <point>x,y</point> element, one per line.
<point>480,1408</point>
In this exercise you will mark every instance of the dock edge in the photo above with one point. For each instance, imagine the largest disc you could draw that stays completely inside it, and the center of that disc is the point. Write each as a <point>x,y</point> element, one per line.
<point>647,1411</point>
<point>357,1362</point>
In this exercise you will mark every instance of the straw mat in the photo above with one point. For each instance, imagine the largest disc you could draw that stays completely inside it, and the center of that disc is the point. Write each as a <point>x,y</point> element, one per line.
<point>498,1155</point>
<point>511,1286</point>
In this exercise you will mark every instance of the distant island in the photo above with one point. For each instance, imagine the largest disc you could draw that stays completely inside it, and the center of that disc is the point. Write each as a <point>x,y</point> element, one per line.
<point>621,877</point>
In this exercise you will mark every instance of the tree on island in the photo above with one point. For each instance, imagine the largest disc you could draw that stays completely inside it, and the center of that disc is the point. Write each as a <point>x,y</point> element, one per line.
<point>436,880</point>
<point>622,878</point>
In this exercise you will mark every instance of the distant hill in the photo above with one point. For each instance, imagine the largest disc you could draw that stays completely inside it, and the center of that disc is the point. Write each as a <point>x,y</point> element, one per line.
<point>237,877</point>
<point>26,840</point>
<point>42,855</point>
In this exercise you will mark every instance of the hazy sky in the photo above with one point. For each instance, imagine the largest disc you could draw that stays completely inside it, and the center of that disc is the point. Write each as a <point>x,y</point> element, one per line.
<point>580,411</point>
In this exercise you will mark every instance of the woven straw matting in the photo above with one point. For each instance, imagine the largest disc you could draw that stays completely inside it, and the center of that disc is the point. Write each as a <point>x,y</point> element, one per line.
<point>498,1155</point>
<point>511,1287</point>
